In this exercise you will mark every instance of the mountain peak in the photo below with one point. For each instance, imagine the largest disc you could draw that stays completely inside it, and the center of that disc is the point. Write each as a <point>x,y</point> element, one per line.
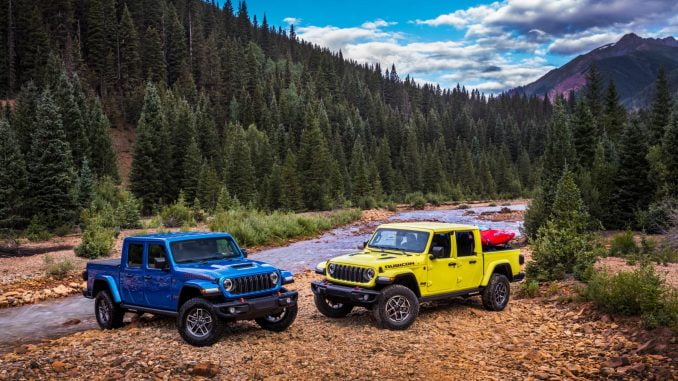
<point>632,63</point>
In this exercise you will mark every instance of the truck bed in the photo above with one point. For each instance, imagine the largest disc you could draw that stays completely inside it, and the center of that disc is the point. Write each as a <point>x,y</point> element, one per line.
<point>113,262</point>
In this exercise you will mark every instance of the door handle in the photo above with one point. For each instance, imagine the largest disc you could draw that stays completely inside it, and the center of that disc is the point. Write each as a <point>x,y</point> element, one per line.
<point>472,262</point>
<point>147,277</point>
<point>452,264</point>
<point>129,275</point>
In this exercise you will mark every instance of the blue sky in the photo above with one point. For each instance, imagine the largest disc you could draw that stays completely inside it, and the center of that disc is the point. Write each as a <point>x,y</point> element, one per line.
<point>492,46</point>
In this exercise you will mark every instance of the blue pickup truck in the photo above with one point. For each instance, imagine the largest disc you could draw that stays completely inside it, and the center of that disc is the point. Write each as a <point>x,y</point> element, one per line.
<point>202,279</point>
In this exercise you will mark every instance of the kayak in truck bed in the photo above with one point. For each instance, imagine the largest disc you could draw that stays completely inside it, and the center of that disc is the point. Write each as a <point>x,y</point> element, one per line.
<point>494,237</point>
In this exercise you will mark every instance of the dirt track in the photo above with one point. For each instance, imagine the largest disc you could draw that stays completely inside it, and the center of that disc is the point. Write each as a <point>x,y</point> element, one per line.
<point>532,338</point>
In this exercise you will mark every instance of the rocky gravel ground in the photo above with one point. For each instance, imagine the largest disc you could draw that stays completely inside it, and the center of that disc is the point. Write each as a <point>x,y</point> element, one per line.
<point>532,339</point>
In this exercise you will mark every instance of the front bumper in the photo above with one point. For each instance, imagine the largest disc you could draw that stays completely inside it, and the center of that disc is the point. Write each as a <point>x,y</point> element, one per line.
<point>355,295</point>
<point>247,309</point>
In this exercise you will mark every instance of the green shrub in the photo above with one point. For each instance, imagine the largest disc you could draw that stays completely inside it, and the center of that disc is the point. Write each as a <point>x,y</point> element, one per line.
<point>367,202</point>
<point>558,251</point>
<point>434,198</point>
<point>57,269</point>
<point>253,227</point>
<point>638,293</point>
<point>529,289</point>
<point>37,230</point>
<point>97,240</point>
<point>177,214</point>
<point>392,207</point>
<point>623,244</point>
<point>63,230</point>
<point>657,218</point>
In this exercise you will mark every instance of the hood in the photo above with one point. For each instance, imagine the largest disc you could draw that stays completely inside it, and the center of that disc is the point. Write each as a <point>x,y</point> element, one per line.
<point>231,268</point>
<point>377,259</point>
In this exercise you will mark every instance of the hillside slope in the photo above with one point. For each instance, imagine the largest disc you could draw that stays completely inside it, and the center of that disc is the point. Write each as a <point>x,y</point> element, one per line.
<point>632,63</point>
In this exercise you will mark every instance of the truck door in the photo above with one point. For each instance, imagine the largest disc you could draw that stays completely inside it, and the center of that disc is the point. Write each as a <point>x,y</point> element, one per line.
<point>468,252</point>
<point>441,271</point>
<point>158,281</point>
<point>131,276</point>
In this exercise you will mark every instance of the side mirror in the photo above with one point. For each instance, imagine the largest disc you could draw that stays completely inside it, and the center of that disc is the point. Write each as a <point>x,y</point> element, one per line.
<point>437,252</point>
<point>362,246</point>
<point>161,263</point>
<point>244,252</point>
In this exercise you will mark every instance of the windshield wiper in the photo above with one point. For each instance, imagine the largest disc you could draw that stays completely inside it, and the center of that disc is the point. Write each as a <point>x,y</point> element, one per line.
<point>402,252</point>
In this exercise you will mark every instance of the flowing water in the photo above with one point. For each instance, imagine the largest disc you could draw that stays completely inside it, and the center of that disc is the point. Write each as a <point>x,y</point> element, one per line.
<point>59,317</point>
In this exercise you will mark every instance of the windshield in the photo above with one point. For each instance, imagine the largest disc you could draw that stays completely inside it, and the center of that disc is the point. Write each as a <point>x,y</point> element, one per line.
<point>204,249</point>
<point>403,240</point>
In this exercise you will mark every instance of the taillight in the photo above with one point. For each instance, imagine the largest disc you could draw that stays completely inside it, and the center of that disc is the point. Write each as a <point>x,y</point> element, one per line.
<point>521,259</point>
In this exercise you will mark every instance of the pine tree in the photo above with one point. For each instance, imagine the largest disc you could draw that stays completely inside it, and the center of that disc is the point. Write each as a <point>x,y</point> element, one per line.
<point>33,49</point>
<point>85,185</point>
<point>290,188</point>
<point>176,50</point>
<point>130,61</point>
<point>593,92</point>
<point>101,152</point>
<point>361,187</point>
<point>670,154</point>
<point>191,167</point>
<point>314,165</point>
<point>584,133</point>
<point>146,178</point>
<point>73,121</point>
<point>51,175</point>
<point>661,107</point>
<point>208,186</point>
<point>153,57</point>
<point>96,38</point>
<point>569,211</point>
<point>12,180</point>
<point>614,116</point>
<point>240,174</point>
<point>632,188</point>
<point>24,116</point>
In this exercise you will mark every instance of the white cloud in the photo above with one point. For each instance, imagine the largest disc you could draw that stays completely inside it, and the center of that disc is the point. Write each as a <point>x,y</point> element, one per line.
<point>292,20</point>
<point>378,23</point>
<point>583,42</point>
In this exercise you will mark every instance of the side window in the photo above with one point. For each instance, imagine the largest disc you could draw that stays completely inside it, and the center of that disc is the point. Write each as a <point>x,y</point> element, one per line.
<point>135,251</point>
<point>155,251</point>
<point>444,241</point>
<point>465,244</point>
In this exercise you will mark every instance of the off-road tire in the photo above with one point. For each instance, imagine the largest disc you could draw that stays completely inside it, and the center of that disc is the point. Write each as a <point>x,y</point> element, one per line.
<point>278,323</point>
<point>497,293</point>
<point>397,308</point>
<point>198,323</point>
<point>108,313</point>
<point>324,305</point>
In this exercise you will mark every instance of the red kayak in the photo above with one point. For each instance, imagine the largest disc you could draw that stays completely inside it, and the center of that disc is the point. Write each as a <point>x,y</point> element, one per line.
<point>494,237</point>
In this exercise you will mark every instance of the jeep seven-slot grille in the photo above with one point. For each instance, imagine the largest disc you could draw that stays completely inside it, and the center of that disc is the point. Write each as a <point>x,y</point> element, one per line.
<point>252,283</point>
<point>349,273</point>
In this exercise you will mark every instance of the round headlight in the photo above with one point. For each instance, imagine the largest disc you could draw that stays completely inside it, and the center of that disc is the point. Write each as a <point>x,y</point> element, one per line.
<point>331,268</point>
<point>274,277</point>
<point>368,275</point>
<point>228,284</point>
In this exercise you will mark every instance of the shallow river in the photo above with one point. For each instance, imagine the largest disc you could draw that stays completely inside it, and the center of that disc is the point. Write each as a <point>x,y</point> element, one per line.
<point>59,317</point>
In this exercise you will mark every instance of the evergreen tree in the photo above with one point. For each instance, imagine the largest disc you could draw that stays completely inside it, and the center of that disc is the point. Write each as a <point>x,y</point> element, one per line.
<point>33,49</point>
<point>176,50</point>
<point>661,107</point>
<point>85,185</point>
<point>240,174</point>
<point>12,180</point>
<point>290,188</point>
<point>614,116</point>
<point>130,61</point>
<point>670,154</point>
<point>72,119</point>
<point>593,92</point>
<point>101,152</point>
<point>96,38</point>
<point>146,178</point>
<point>632,188</point>
<point>584,134</point>
<point>191,167</point>
<point>361,187</point>
<point>208,186</point>
<point>314,165</point>
<point>51,176</point>
<point>24,116</point>
<point>569,211</point>
<point>153,56</point>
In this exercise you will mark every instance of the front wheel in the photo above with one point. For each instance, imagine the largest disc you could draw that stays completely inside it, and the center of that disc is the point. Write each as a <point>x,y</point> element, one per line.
<point>280,321</point>
<point>332,308</point>
<point>496,294</point>
<point>198,323</point>
<point>109,315</point>
<point>397,308</point>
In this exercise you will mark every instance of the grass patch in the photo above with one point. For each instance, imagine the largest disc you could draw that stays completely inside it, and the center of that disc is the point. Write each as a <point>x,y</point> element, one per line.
<point>57,269</point>
<point>253,227</point>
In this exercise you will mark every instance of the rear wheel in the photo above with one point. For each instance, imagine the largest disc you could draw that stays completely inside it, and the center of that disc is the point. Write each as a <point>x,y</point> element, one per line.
<point>109,314</point>
<point>332,308</point>
<point>497,293</point>
<point>280,321</point>
<point>198,323</point>
<point>397,308</point>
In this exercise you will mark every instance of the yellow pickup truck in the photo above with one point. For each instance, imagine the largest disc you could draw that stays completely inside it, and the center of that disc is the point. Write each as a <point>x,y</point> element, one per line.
<point>404,264</point>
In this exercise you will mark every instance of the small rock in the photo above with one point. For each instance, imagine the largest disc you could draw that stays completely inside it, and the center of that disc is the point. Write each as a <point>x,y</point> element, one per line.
<point>70,322</point>
<point>205,369</point>
<point>59,366</point>
<point>22,350</point>
<point>616,362</point>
